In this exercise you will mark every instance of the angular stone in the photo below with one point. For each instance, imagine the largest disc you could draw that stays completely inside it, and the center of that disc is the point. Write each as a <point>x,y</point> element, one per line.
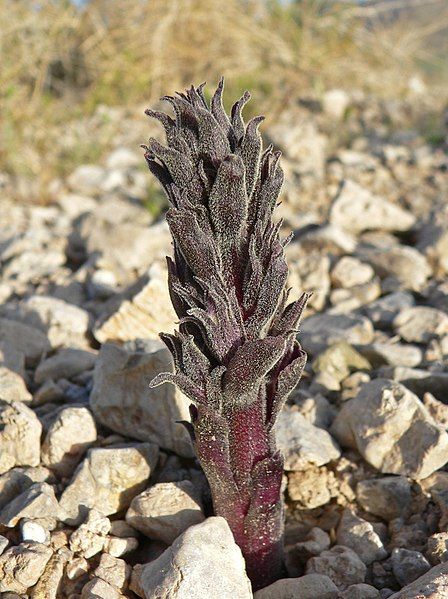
<point>339,563</point>
<point>108,479</point>
<point>12,386</point>
<point>113,570</point>
<point>38,501</point>
<point>359,535</point>
<point>22,566</point>
<point>337,362</point>
<point>140,314</point>
<point>20,432</point>
<point>122,400</point>
<point>393,354</point>
<point>26,339</point>
<point>309,273</point>
<point>100,589</point>
<point>349,272</point>
<point>203,562</point>
<point>322,330</point>
<point>66,363</point>
<point>68,438</point>
<point>383,311</point>
<point>432,585</point>
<point>420,324</point>
<point>90,537</point>
<point>405,266</point>
<point>302,444</point>
<point>419,381</point>
<point>316,541</point>
<point>392,430</point>
<point>166,510</point>
<point>356,209</point>
<point>17,480</point>
<point>408,565</point>
<point>309,586</point>
<point>388,497</point>
<point>360,591</point>
<point>63,323</point>
<point>49,583</point>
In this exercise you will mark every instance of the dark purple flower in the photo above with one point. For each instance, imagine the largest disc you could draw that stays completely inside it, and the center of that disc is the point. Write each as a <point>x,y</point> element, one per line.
<point>236,355</point>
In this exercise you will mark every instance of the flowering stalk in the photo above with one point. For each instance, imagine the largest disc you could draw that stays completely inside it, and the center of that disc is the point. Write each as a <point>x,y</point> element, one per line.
<point>236,356</point>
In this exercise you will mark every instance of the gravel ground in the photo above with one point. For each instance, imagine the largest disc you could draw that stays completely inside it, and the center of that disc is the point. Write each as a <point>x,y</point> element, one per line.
<point>100,494</point>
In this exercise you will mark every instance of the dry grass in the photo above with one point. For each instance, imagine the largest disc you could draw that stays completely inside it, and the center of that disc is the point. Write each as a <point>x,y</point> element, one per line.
<point>59,63</point>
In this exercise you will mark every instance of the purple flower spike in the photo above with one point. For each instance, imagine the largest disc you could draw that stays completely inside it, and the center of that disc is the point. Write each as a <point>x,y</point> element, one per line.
<point>236,355</point>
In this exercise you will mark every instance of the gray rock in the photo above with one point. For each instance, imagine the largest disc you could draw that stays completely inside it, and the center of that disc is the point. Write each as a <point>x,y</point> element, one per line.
<point>166,510</point>
<point>22,566</point>
<point>140,312</point>
<point>392,354</point>
<point>100,589</point>
<point>90,538</point>
<point>203,562</point>
<point>12,386</point>
<point>360,591</point>
<point>359,535</point>
<point>117,546</point>
<point>302,444</point>
<point>63,323</point>
<point>327,238</point>
<point>316,541</point>
<point>432,585</point>
<point>65,364</point>
<point>38,501</point>
<point>345,301</point>
<point>339,563</point>
<point>316,409</point>
<point>356,209</point>
<point>336,363</point>
<point>108,479</point>
<point>309,586</point>
<point>122,400</point>
<point>392,430</point>
<point>308,273</point>
<point>28,340</point>
<point>322,330</point>
<point>349,272</point>
<point>420,381</point>
<point>383,311</point>
<point>70,435</point>
<point>20,432</point>
<point>17,480</point>
<point>408,565</point>
<point>420,324</point>
<point>404,266</point>
<point>113,571</point>
<point>388,497</point>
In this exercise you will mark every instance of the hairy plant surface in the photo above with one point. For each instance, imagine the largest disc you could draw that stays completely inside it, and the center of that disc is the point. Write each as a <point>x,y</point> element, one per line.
<point>236,355</point>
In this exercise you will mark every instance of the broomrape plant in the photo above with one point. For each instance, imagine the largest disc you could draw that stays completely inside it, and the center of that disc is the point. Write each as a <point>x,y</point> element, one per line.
<point>235,354</point>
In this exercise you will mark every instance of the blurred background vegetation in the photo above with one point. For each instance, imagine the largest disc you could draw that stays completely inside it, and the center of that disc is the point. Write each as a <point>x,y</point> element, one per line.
<point>62,61</point>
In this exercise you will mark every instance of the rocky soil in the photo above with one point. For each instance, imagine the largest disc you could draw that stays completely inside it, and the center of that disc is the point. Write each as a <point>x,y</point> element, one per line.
<point>100,494</point>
